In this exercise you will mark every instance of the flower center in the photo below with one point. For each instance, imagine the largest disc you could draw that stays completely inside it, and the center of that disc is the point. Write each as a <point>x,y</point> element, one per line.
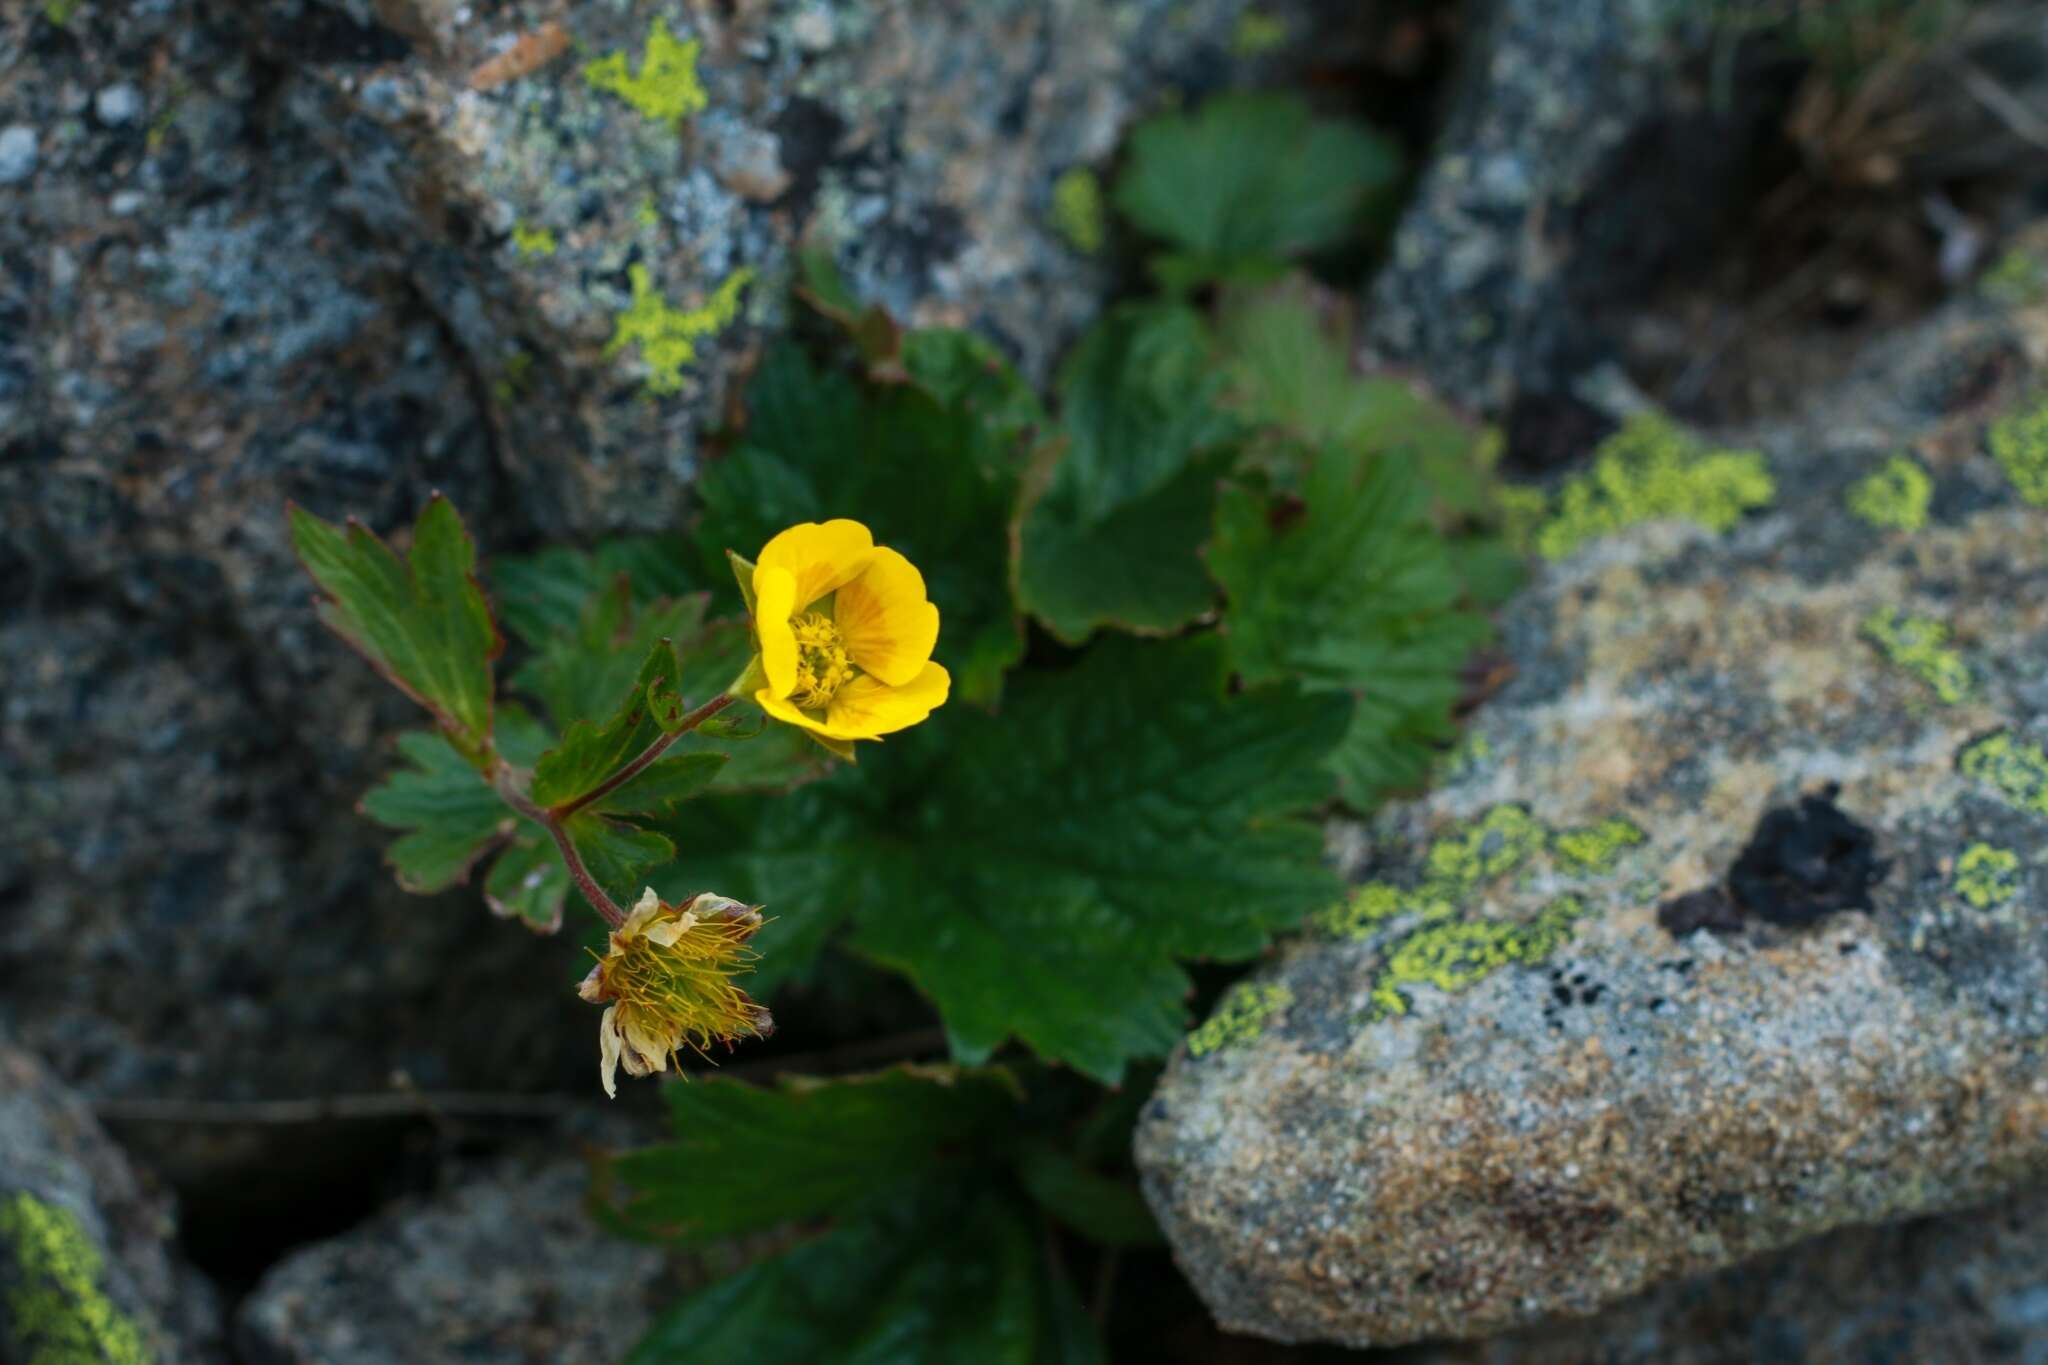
<point>822,663</point>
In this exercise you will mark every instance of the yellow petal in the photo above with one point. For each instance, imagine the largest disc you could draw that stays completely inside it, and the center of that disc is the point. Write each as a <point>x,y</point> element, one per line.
<point>774,601</point>
<point>785,710</point>
<point>888,626</point>
<point>867,709</point>
<point>822,556</point>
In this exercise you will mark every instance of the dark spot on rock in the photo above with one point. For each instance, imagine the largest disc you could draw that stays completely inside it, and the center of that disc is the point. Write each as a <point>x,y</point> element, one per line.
<point>318,35</point>
<point>1706,908</point>
<point>1545,431</point>
<point>809,134</point>
<point>1562,994</point>
<point>1806,862</point>
<point>1591,994</point>
<point>1557,1221</point>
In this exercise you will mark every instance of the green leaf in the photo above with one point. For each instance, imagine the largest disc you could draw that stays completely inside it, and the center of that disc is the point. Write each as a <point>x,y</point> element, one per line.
<point>1248,180</point>
<point>617,856</point>
<point>1101,1209</point>
<point>421,621</point>
<point>1038,873</point>
<point>1356,593</point>
<point>963,370</point>
<point>1115,535</point>
<point>529,883</point>
<point>949,1276</point>
<point>548,591</point>
<point>762,758</point>
<point>915,470</point>
<point>453,815</point>
<point>591,753</point>
<point>809,1148</point>
<point>663,785</point>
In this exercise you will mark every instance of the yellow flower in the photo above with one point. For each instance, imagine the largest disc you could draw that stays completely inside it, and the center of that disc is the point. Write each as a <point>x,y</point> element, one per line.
<point>668,978</point>
<point>845,634</point>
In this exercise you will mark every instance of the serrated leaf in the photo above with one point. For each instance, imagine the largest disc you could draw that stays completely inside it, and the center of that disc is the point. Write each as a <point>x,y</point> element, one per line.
<point>809,1148</point>
<point>529,883</point>
<point>548,591</point>
<point>618,856</point>
<point>1248,180</point>
<point>663,785</point>
<point>1357,593</point>
<point>1038,873</point>
<point>946,1277</point>
<point>452,815</point>
<point>421,622</point>
<point>820,445</point>
<point>589,752</point>
<point>1114,536</point>
<point>1098,1207</point>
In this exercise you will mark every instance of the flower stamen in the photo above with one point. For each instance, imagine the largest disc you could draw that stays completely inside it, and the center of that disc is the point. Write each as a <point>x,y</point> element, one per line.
<point>823,665</point>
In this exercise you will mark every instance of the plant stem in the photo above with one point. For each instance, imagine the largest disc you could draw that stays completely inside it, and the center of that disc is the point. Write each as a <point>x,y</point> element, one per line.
<point>647,756</point>
<point>508,788</point>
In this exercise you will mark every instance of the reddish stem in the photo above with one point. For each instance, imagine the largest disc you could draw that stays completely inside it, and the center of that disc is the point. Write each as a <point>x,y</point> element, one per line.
<point>647,756</point>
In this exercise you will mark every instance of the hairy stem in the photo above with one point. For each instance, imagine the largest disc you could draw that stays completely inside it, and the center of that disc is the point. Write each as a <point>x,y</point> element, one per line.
<point>647,756</point>
<point>508,787</point>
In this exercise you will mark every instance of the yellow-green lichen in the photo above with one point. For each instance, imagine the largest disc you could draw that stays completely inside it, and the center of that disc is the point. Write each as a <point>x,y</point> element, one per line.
<point>2017,772</point>
<point>1895,498</point>
<point>1257,33</point>
<point>59,12</point>
<point>1495,844</point>
<point>2019,442</point>
<point>1240,1016</point>
<point>1459,954</point>
<point>1077,209</point>
<point>665,88</point>
<point>1919,644</point>
<point>1596,848</point>
<point>57,1308</point>
<point>2018,278</point>
<point>1987,876</point>
<point>1376,903</point>
<point>532,241</point>
<point>667,336</point>
<point>1650,470</point>
<point>645,214</point>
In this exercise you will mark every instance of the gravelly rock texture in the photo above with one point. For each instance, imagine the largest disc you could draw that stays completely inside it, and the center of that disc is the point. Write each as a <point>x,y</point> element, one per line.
<point>505,1269</point>
<point>1966,1289</point>
<point>1494,1087</point>
<point>1587,148</point>
<point>85,1273</point>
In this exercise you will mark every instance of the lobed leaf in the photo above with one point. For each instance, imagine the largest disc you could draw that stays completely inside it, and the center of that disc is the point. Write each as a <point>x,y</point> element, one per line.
<point>529,883</point>
<point>1249,180</point>
<point>809,1148</point>
<point>590,753</point>
<point>618,856</point>
<point>452,816</point>
<point>1356,594</point>
<point>422,622</point>
<point>1114,535</point>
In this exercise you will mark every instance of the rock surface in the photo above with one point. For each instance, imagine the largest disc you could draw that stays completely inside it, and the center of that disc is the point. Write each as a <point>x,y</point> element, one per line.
<point>1967,1289</point>
<point>505,1269</point>
<point>85,1269</point>
<point>1586,149</point>
<point>1493,1087</point>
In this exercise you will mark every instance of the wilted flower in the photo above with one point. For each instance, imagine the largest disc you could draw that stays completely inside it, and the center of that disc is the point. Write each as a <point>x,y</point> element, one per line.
<point>845,634</point>
<point>668,979</point>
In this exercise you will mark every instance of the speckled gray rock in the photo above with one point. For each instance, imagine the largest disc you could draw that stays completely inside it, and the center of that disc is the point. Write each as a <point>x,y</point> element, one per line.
<point>181,746</point>
<point>608,229</point>
<point>505,1269</point>
<point>86,1270</point>
<point>1965,1289</point>
<point>1493,1087</point>
<point>1585,150</point>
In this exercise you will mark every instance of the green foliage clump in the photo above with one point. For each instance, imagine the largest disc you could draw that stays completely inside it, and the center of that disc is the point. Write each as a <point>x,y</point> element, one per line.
<point>1919,644</point>
<point>1216,583</point>
<point>1895,498</point>
<point>1077,210</point>
<point>57,1307</point>
<point>1650,470</point>
<point>2019,442</point>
